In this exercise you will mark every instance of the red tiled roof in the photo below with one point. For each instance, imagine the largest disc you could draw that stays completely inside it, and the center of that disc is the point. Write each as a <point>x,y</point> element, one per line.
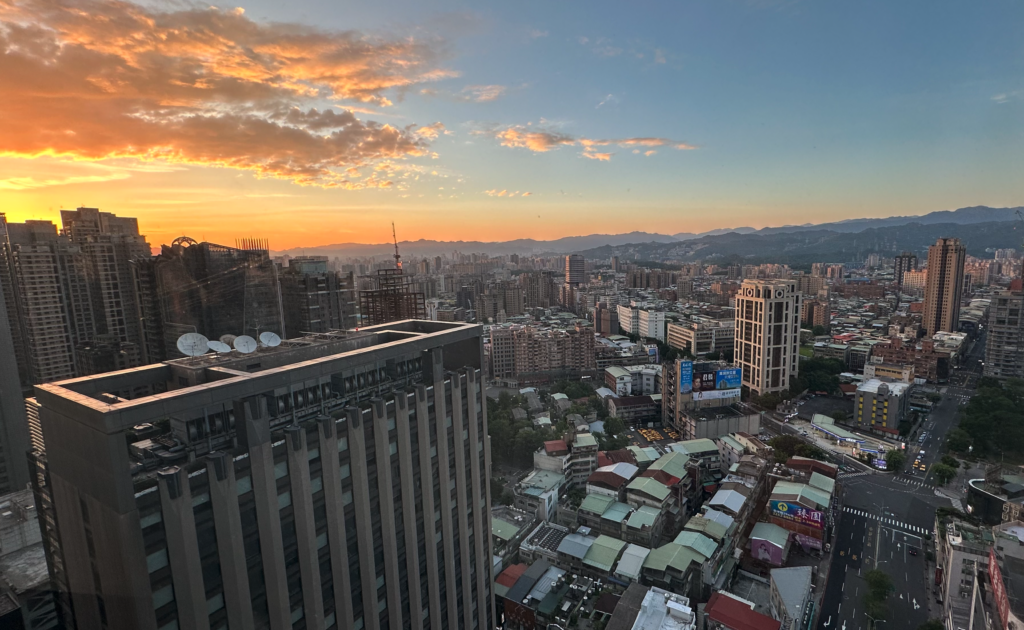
<point>607,479</point>
<point>509,576</point>
<point>555,446</point>
<point>736,615</point>
<point>847,388</point>
<point>607,458</point>
<point>662,476</point>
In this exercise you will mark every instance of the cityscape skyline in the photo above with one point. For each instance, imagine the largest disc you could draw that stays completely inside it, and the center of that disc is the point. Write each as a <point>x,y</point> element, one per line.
<point>454,115</point>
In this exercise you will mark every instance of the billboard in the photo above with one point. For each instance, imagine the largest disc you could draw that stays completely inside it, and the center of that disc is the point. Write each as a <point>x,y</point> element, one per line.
<point>728,378</point>
<point>998,587</point>
<point>797,514</point>
<point>685,377</point>
<point>716,394</point>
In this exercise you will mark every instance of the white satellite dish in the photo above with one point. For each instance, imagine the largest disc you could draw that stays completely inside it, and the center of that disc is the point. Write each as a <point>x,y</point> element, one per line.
<point>219,346</point>
<point>227,339</point>
<point>245,344</point>
<point>193,344</point>
<point>270,339</point>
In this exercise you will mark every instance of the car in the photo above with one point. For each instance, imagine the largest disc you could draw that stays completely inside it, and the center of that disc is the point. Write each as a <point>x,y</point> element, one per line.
<point>912,550</point>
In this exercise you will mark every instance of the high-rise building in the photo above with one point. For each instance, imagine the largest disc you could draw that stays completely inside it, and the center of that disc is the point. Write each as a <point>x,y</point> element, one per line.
<point>337,482</point>
<point>945,286</point>
<point>903,263</point>
<point>1004,345</point>
<point>606,320</point>
<point>767,342</point>
<point>212,289</point>
<point>71,291</point>
<point>539,289</point>
<point>575,269</point>
<point>316,300</point>
<point>14,441</point>
<point>392,299</point>
<point>816,313</point>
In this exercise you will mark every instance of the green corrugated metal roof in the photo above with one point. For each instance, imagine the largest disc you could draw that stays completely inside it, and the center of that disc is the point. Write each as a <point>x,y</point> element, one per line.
<point>671,555</point>
<point>819,480</point>
<point>772,533</point>
<point>733,444</point>
<point>673,463</point>
<point>700,445</point>
<point>707,527</point>
<point>645,516</point>
<point>814,495</point>
<point>604,553</point>
<point>698,542</point>
<point>649,486</point>
<point>584,439</point>
<point>617,512</point>
<point>503,529</point>
<point>596,503</point>
<point>640,454</point>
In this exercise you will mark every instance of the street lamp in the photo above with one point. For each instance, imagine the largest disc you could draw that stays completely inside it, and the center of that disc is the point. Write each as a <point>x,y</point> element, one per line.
<point>873,620</point>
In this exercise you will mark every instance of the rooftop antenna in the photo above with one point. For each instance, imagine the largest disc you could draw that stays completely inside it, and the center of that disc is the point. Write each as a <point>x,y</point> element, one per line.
<point>398,257</point>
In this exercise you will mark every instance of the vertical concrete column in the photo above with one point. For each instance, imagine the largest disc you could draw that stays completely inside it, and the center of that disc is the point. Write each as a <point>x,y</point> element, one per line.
<point>459,454</point>
<point>480,483</point>
<point>255,435</point>
<point>427,498</point>
<point>305,527</point>
<point>183,549</point>
<point>336,535</point>
<point>412,551</point>
<point>442,404</point>
<point>227,523</point>
<point>67,505</point>
<point>388,525</point>
<point>364,524</point>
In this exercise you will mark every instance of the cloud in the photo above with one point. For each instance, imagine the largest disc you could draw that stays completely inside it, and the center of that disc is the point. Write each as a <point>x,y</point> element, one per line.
<point>544,140</point>
<point>527,194</point>
<point>483,93</point>
<point>106,79</point>
<point>611,98</point>
<point>30,183</point>
<point>494,192</point>
<point>537,34</point>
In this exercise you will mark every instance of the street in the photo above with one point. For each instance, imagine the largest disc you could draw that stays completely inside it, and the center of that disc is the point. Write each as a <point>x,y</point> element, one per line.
<point>884,518</point>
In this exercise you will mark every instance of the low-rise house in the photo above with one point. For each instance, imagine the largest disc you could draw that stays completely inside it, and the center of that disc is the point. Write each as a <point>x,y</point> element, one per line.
<point>725,611</point>
<point>790,596</point>
<point>538,493</point>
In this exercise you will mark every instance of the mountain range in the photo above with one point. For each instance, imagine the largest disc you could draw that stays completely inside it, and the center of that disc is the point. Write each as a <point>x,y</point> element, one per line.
<point>746,242</point>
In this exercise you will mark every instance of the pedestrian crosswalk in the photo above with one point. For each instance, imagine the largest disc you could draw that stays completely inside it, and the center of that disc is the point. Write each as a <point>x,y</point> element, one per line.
<point>851,475</point>
<point>886,520</point>
<point>909,481</point>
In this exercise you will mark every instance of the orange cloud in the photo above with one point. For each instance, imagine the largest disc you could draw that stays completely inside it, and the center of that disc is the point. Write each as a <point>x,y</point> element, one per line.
<point>483,93</point>
<point>101,79</point>
<point>542,141</point>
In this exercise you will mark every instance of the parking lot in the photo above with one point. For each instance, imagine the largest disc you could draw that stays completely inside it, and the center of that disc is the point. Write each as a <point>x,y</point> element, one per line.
<point>826,405</point>
<point>644,437</point>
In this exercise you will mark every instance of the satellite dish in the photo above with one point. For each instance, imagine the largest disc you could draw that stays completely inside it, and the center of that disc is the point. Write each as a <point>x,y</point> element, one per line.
<point>193,344</point>
<point>219,346</point>
<point>270,339</point>
<point>227,339</point>
<point>245,344</point>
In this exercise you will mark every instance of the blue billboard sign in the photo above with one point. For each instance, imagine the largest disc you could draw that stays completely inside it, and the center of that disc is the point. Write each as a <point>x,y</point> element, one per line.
<point>728,378</point>
<point>685,377</point>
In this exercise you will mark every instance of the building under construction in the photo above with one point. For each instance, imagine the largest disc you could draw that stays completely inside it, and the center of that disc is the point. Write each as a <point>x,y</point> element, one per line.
<point>392,299</point>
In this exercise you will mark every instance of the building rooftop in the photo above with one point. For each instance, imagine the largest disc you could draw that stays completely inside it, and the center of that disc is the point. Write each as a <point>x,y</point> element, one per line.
<point>584,440</point>
<point>828,425</point>
<point>547,536</point>
<point>872,385</point>
<point>631,562</point>
<point>672,555</point>
<point>596,503</point>
<point>644,516</point>
<point>540,481</point>
<point>576,545</point>
<point>771,532</point>
<point>650,487</point>
<point>504,530</point>
<point>822,482</point>
<point>808,494</point>
<point>695,447</point>
<point>696,541</point>
<point>673,463</point>
<point>604,553</point>
<point>617,512</point>
<point>793,585</point>
<point>25,569</point>
<point>709,528</point>
<point>729,499</point>
<point>737,614</point>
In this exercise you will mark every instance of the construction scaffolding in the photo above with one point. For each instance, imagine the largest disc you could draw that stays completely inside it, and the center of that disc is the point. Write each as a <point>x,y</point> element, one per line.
<point>392,300</point>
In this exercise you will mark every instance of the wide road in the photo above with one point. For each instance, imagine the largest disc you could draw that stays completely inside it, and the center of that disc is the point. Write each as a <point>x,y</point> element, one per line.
<point>881,522</point>
<point>943,417</point>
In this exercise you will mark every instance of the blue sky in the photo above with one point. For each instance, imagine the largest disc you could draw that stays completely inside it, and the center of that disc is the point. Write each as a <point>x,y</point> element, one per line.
<point>795,111</point>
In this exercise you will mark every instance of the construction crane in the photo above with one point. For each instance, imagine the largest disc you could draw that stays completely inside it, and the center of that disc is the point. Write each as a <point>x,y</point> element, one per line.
<point>398,257</point>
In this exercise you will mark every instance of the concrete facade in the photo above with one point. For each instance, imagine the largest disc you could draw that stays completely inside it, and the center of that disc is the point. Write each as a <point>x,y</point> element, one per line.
<point>336,481</point>
<point>767,334</point>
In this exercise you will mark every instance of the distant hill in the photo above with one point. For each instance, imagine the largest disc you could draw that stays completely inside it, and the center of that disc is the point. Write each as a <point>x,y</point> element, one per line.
<point>698,244</point>
<point>804,247</point>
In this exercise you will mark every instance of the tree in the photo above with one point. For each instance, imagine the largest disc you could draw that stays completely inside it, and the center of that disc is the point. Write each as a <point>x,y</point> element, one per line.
<point>497,488</point>
<point>576,496</point>
<point>727,354</point>
<point>932,624</point>
<point>818,330</point>
<point>614,426</point>
<point>934,397</point>
<point>895,460</point>
<point>879,587</point>
<point>952,462</point>
<point>768,401</point>
<point>958,440</point>
<point>943,473</point>
<point>994,418</point>
<point>839,416</point>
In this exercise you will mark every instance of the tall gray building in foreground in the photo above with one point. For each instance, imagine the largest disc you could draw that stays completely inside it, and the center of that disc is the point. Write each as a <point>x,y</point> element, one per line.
<point>335,481</point>
<point>13,427</point>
